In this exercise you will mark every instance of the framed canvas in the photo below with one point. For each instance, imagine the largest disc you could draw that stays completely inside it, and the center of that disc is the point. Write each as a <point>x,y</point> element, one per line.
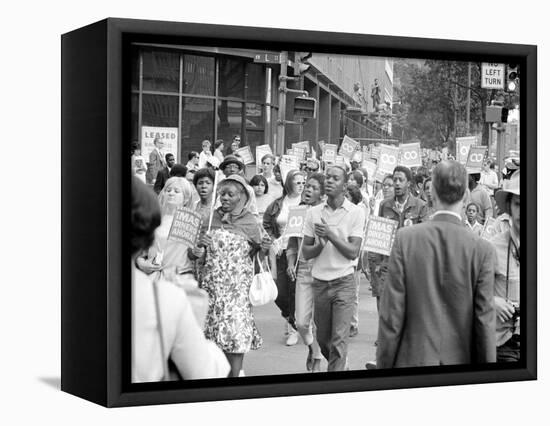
<point>314,100</point>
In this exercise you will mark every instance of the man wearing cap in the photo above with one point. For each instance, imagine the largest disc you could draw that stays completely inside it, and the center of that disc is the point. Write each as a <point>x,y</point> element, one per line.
<point>437,307</point>
<point>232,165</point>
<point>507,246</point>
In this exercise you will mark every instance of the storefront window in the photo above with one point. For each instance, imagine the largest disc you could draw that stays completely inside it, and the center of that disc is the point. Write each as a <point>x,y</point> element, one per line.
<point>160,71</point>
<point>197,124</point>
<point>231,82</point>
<point>135,69</point>
<point>160,111</point>
<point>198,75</point>
<point>229,119</point>
<point>254,116</point>
<point>255,83</point>
<point>134,132</point>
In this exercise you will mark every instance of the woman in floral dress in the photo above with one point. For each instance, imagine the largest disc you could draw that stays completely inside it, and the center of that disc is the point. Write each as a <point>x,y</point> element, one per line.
<point>231,244</point>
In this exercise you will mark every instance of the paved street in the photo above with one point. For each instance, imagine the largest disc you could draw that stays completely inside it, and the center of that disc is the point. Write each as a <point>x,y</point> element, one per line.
<point>276,358</point>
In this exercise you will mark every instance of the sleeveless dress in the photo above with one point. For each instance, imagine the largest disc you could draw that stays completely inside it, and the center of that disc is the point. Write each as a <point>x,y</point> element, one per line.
<point>227,278</point>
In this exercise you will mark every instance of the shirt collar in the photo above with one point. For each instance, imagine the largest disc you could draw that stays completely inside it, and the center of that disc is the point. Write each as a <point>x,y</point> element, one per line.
<point>437,213</point>
<point>346,205</point>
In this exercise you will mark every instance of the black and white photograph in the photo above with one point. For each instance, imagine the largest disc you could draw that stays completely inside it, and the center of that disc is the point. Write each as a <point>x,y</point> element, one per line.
<point>302,212</point>
<point>247,213</point>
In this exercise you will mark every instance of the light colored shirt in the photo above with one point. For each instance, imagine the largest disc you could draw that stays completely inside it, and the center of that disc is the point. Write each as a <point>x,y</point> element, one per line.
<point>346,221</point>
<point>476,228</point>
<point>489,181</point>
<point>203,158</point>
<point>287,203</point>
<point>184,341</point>
<point>505,245</point>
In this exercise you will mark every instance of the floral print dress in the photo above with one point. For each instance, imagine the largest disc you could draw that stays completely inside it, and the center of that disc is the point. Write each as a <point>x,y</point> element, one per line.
<point>227,278</point>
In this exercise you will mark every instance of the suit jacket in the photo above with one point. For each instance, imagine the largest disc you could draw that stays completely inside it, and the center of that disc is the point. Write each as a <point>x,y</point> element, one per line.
<point>437,307</point>
<point>162,176</point>
<point>156,163</point>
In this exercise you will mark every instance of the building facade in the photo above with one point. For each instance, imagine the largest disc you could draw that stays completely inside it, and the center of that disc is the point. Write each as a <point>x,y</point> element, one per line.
<point>196,93</point>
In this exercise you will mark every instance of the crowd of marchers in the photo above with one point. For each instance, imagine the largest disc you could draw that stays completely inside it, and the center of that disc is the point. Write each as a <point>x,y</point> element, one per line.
<point>447,294</point>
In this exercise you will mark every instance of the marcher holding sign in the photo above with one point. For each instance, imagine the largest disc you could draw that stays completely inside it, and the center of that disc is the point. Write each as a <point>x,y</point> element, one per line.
<point>276,220</point>
<point>476,155</point>
<point>463,147</point>
<point>231,246</point>
<point>299,270</point>
<point>168,254</point>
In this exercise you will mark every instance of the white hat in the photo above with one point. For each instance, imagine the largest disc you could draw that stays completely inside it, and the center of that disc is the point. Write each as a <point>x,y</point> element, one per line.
<point>509,186</point>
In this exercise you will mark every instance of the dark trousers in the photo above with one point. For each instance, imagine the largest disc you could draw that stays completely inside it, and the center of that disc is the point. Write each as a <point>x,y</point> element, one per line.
<point>286,288</point>
<point>509,351</point>
<point>334,306</point>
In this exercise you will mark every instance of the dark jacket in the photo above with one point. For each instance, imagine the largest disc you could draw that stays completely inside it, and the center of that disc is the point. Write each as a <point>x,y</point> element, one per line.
<point>437,307</point>
<point>414,211</point>
<point>270,218</point>
<point>162,176</point>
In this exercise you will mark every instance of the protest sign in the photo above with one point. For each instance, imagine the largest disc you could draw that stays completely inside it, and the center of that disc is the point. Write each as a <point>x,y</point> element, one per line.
<point>299,152</point>
<point>463,147</point>
<point>329,152</point>
<point>246,155</point>
<point>348,147</point>
<point>261,150</point>
<point>370,167</point>
<point>476,155</point>
<point>303,144</point>
<point>169,136</point>
<point>489,229</point>
<point>409,155</point>
<point>185,227</point>
<point>379,235</point>
<point>375,153</point>
<point>340,161</point>
<point>296,221</point>
<point>387,160</point>
<point>288,163</point>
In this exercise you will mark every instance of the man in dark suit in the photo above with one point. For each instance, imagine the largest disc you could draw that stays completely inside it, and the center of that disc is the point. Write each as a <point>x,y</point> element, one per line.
<point>164,174</point>
<point>437,307</point>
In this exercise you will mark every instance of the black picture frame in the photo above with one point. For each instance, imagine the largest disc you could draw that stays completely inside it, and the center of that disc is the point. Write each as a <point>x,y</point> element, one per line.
<point>95,179</point>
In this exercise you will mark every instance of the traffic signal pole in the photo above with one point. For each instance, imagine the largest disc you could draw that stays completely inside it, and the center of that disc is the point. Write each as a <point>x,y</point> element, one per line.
<point>280,148</point>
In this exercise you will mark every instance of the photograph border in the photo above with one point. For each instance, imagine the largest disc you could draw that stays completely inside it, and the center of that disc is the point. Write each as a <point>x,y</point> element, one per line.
<point>96,310</point>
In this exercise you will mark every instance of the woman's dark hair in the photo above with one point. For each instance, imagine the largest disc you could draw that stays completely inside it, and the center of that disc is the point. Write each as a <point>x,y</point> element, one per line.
<point>355,194</point>
<point>145,217</point>
<point>201,173</point>
<point>218,143</point>
<point>320,178</point>
<point>134,147</point>
<point>178,170</point>
<point>357,177</point>
<point>256,179</point>
<point>192,155</point>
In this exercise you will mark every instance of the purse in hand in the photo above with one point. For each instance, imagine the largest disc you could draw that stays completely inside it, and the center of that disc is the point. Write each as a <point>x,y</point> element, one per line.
<point>263,289</point>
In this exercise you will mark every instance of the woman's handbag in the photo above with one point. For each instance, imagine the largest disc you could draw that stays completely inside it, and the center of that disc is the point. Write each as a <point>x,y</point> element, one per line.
<point>263,289</point>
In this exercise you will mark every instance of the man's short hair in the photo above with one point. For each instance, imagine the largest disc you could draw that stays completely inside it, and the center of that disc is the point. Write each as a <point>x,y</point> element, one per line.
<point>344,172</point>
<point>167,156</point>
<point>320,178</point>
<point>449,181</point>
<point>178,170</point>
<point>404,170</point>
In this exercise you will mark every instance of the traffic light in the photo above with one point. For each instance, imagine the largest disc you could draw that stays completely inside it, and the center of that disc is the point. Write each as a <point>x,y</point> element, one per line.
<point>512,77</point>
<point>305,107</point>
<point>504,115</point>
<point>300,63</point>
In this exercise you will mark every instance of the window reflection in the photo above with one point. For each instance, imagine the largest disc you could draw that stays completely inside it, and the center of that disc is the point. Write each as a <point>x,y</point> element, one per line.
<point>231,82</point>
<point>160,111</point>
<point>160,71</point>
<point>197,124</point>
<point>198,75</point>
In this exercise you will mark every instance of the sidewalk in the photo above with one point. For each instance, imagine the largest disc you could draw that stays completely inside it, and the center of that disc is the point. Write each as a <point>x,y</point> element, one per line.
<point>274,357</point>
